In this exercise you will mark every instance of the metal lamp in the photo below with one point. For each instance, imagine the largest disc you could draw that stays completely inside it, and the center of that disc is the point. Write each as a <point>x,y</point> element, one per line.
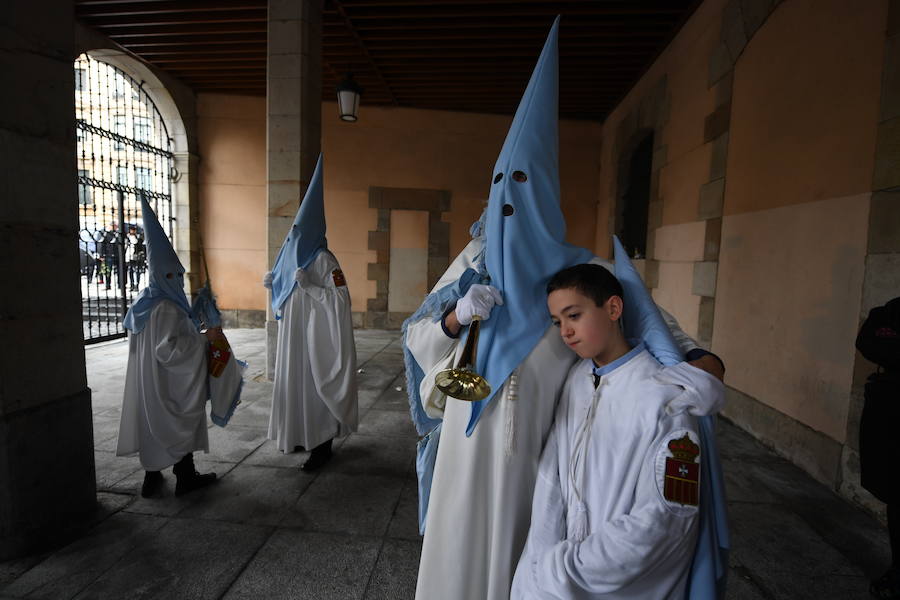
<point>348,93</point>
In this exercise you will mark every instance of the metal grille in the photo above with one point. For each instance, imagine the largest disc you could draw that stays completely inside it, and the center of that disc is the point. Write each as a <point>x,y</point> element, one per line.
<point>123,153</point>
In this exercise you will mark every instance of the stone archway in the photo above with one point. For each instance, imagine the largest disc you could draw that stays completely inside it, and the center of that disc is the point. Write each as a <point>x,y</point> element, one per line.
<point>177,106</point>
<point>647,119</point>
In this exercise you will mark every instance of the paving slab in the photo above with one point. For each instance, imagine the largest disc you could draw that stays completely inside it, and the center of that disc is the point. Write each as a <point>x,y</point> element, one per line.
<point>184,558</point>
<point>250,494</point>
<point>405,520</point>
<point>75,567</point>
<point>390,423</point>
<point>234,443</point>
<point>351,504</point>
<point>302,564</point>
<point>394,577</point>
<point>374,455</point>
<point>394,396</point>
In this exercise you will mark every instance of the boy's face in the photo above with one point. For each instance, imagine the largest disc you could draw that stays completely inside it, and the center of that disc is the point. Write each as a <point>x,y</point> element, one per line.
<point>585,327</point>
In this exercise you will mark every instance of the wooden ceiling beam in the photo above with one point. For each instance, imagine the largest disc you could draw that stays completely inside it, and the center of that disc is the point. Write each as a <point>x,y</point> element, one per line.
<point>362,45</point>
<point>177,19</point>
<point>241,41</point>
<point>190,54</point>
<point>112,8</point>
<point>535,35</point>
<point>187,30</point>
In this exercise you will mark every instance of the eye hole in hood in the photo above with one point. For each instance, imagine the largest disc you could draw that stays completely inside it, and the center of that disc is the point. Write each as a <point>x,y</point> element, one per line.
<point>519,176</point>
<point>498,177</point>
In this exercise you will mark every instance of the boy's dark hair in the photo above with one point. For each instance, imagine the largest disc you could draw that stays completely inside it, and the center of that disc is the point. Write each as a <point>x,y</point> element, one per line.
<point>590,280</point>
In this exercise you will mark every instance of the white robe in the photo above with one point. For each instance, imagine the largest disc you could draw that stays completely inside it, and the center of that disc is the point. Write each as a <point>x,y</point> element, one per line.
<point>315,397</point>
<point>163,411</point>
<point>480,503</point>
<point>639,541</point>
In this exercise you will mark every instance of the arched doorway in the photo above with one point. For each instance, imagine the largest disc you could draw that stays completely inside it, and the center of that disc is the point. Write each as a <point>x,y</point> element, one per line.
<point>632,209</point>
<point>124,152</point>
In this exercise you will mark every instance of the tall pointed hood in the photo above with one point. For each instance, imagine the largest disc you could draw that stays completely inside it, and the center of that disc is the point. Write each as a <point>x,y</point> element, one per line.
<point>166,274</point>
<point>524,228</point>
<point>303,242</point>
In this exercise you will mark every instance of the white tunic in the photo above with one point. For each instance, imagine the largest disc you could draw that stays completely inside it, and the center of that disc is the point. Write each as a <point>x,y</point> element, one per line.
<point>315,396</point>
<point>480,504</point>
<point>609,448</point>
<point>163,411</point>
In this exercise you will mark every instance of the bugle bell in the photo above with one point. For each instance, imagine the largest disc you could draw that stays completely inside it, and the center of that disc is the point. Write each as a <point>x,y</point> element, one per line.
<point>462,382</point>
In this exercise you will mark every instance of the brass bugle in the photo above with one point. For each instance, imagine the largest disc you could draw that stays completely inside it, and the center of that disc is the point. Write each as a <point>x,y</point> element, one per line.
<point>463,383</point>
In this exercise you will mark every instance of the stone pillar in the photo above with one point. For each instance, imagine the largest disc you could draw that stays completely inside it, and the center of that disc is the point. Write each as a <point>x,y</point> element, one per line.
<point>294,122</point>
<point>47,488</point>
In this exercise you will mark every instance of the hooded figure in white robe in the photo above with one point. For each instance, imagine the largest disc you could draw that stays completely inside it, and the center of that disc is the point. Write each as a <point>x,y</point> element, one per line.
<point>163,410</point>
<point>484,455</point>
<point>315,396</point>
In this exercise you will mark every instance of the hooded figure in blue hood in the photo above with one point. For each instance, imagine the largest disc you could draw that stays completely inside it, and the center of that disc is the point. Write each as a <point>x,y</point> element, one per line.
<point>163,410</point>
<point>314,397</point>
<point>478,461</point>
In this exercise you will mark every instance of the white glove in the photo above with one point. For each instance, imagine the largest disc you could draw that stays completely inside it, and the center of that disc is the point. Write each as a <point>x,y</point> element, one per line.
<point>300,275</point>
<point>267,280</point>
<point>479,300</point>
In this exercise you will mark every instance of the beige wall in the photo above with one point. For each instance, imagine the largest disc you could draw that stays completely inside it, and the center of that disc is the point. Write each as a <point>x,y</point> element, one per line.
<point>795,225</point>
<point>232,178</point>
<point>805,109</point>
<point>789,252</point>
<point>387,147</point>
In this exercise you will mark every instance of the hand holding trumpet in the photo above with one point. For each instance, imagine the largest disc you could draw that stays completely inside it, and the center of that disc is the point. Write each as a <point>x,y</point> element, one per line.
<point>479,300</point>
<point>462,382</point>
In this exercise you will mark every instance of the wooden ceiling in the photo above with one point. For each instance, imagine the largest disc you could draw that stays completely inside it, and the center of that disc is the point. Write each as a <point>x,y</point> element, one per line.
<point>465,55</point>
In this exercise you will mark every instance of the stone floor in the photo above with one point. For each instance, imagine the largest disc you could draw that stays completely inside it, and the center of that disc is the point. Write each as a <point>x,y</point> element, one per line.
<point>268,530</point>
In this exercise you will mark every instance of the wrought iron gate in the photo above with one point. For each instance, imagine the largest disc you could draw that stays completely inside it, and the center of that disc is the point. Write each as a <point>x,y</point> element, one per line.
<point>123,153</point>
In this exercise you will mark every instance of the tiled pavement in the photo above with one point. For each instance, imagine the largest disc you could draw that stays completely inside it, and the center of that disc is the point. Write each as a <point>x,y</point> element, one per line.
<point>268,530</point>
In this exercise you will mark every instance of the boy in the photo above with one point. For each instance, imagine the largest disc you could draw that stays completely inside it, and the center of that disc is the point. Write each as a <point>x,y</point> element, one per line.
<point>616,501</point>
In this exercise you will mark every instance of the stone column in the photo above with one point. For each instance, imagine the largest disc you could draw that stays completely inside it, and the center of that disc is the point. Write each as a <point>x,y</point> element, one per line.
<point>47,488</point>
<point>294,122</point>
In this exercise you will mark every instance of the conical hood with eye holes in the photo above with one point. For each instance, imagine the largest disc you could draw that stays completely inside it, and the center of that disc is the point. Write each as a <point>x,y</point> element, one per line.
<point>303,242</point>
<point>524,229</point>
<point>166,274</point>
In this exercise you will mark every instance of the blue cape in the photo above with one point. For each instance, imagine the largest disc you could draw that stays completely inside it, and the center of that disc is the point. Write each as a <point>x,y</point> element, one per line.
<point>641,319</point>
<point>524,249</point>
<point>165,271</point>
<point>303,243</point>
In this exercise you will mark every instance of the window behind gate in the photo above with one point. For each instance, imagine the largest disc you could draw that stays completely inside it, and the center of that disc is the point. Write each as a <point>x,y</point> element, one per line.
<point>123,152</point>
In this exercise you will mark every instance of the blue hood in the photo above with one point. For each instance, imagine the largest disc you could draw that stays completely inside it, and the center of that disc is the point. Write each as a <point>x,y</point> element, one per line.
<point>524,249</point>
<point>303,242</point>
<point>165,272</point>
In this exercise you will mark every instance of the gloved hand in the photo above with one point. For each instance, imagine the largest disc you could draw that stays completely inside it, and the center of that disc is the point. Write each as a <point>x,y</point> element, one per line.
<point>300,275</point>
<point>267,280</point>
<point>479,300</point>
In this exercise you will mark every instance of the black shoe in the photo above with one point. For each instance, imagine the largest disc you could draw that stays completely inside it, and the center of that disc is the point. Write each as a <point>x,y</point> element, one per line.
<point>153,481</point>
<point>320,455</point>
<point>187,477</point>
<point>887,586</point>
<point>299,449</point>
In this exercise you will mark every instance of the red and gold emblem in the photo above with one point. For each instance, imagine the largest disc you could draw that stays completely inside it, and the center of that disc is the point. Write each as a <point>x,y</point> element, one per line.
<point>219,353</point>
<point>682,483</point>
<point>338,277</point>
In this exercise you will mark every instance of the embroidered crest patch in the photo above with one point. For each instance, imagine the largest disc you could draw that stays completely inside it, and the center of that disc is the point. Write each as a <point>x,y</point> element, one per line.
<point>682,483</point>
<point>338,277</point>
<point>219,353</point>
